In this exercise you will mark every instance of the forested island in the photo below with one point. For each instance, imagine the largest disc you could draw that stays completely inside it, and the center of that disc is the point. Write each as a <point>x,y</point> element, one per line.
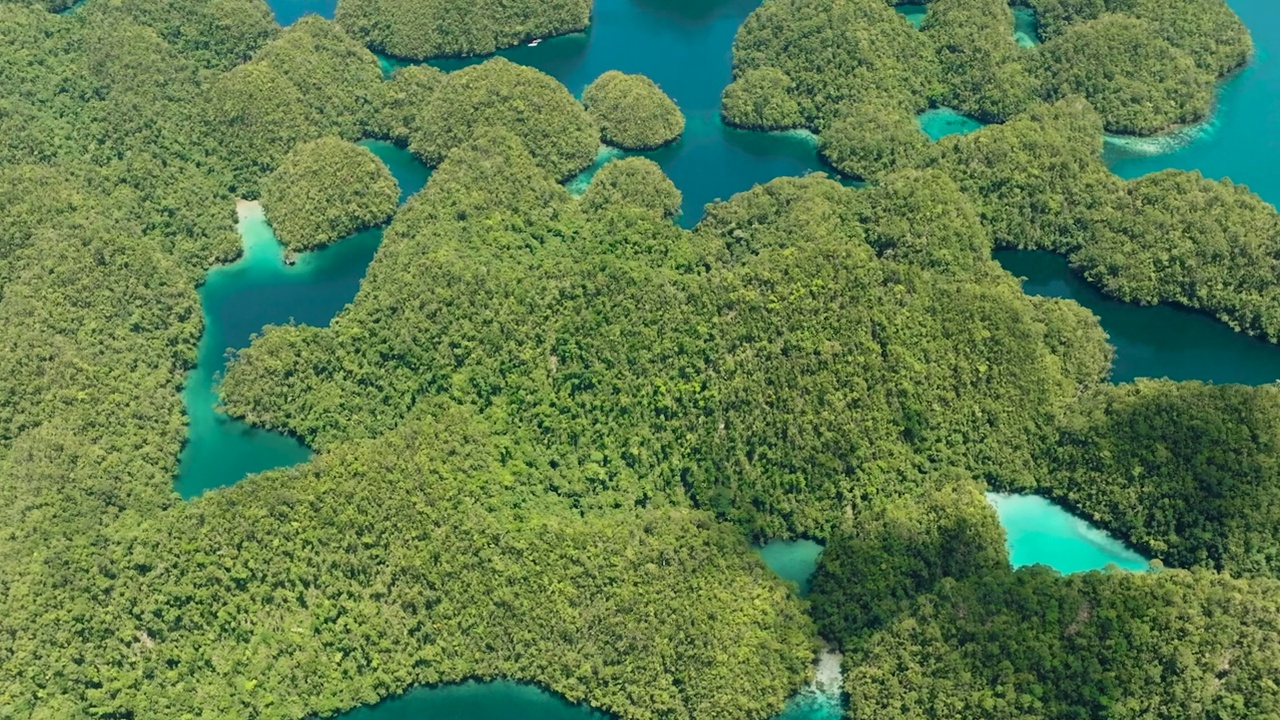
<point>549,428</point>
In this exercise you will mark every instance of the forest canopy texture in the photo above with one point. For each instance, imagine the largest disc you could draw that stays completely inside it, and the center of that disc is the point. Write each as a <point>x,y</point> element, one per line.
<point>326,190</point>
<point>633,112</point>
<point>548,428</point>
<point>421,29</point>
<point>1147,66</point>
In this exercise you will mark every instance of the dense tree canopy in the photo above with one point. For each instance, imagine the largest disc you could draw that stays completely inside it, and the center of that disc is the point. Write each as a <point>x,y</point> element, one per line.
<point>1177,237</point>
<point>635,182</point>
<point>1189,473</point>
<point>421,29</point>
<point>633,112</point>
<point>218,34</point>
<point>1147,66</point>
<point>536,418</point>
<point>897,347</point>
<point>326,190</point>
<point>534,106</point>
<point>1032,644</point>
<point>831,53</point>
<point>1136,80</point>
<point>868,140</point>
<point>919,595</point>
<point>1038,182</point>
<point>410,89</point>
<point>337,77</point>
<point>985,74</point>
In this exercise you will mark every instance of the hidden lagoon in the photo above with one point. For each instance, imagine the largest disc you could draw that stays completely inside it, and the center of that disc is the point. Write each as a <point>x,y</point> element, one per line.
<point>685,47</point>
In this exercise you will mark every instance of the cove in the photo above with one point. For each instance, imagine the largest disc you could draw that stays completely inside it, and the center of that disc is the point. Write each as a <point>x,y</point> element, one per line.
<point>1156,341</point>
<point>1039,532</point>
<point>238,300</point>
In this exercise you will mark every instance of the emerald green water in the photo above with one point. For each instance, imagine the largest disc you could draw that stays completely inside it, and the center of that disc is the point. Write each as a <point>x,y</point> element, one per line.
<point>257,290</point>
<point>1041,533</point>
<point>940,122</point>
<point>792,560</point>
<point>1026,28</point>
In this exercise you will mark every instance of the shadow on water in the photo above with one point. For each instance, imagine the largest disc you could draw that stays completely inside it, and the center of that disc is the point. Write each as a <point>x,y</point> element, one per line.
<point>1158,341</point>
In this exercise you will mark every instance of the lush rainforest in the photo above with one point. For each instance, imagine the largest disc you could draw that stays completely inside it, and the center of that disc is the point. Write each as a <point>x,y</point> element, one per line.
<point>548,426</point>
<point>934,624</point>
<point>802,63</point>
<point>420,29</point>
<point>633,112</point>
<point>325,190</point>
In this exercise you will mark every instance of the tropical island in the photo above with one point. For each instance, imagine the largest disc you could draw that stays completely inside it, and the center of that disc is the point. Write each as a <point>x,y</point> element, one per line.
<point>550,428</point>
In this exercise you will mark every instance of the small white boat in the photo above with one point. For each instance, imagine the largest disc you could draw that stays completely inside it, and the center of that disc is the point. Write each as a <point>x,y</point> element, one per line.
<point>534,42</point>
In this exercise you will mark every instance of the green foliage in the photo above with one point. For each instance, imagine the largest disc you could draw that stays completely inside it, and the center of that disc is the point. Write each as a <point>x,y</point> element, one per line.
<point>1189,473</point>
<point>411,88</point>
<point>633,112</point>
<point>834,53</point>
<point>1149,86</point>
<point>899,548</point>
<point>1055,16</point>
<point>921,218</point>
<point>761,99</point>
<point>1037,180</point>
<point>985,74</point>
<point>633,182</point>
<point>1033,644</point>
<point>1177,237</point>
<point>311,81</point>
<point>431,556</point>
<point>867,141</point>
<point>537,408</point>
<point>260,116</point>
<point>421,29</point>
<point>1147,66</point>
<point>532,105</point>
<point>326,190</point>
<point>811,372</point>
<point>1208,30</point>
<point>336,76</point>
<point>218,34</point>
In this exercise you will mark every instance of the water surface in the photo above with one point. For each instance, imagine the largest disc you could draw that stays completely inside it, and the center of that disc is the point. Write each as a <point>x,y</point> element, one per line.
<point>913,13</point>
<point>792,560</point>
<point>940,122</point>
<point>238,300</point>
<point>1158,341</point>
<point>1042,533</point>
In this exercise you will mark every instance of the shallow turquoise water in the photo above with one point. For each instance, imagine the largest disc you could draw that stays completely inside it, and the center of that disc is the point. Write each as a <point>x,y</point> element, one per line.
<point>258,290</point>
<point>913,13</point>
<point>1026,28</point>
<point>1041,533</point>
<point>500,700</point>
<point>938,123</point>
<point>792,560</point>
